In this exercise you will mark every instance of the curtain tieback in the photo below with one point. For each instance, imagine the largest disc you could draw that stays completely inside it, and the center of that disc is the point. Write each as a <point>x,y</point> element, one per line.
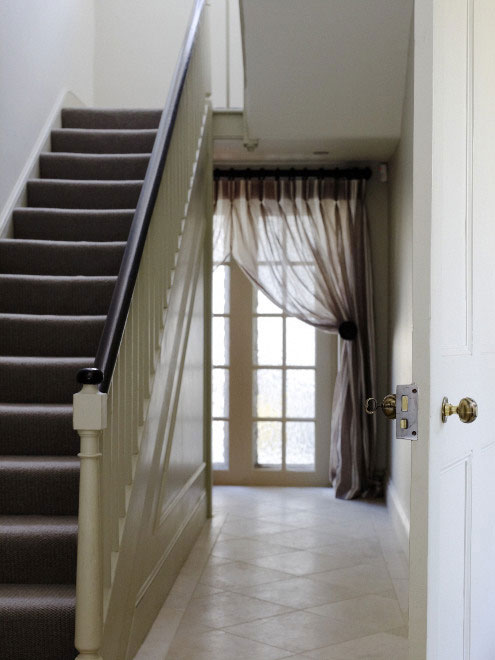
<point>348,330</point>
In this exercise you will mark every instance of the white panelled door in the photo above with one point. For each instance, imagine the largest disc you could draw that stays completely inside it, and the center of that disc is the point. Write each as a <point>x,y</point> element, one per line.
<point>452,601</point>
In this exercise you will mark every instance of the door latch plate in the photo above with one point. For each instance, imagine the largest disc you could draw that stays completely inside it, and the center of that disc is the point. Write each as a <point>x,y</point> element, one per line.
<point>406,418</point>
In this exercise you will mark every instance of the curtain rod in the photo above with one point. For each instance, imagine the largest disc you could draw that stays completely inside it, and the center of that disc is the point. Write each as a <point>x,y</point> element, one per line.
<point>336,173</point>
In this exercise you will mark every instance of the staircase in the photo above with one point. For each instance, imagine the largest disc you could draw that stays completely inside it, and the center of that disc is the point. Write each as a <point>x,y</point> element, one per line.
<point>57,276</point>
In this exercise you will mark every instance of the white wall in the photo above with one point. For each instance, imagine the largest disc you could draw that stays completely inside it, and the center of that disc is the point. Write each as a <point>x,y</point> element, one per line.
<point>45,47</point>
<point>136,50</point>
<point>327,75</point>
<point>401,221</point>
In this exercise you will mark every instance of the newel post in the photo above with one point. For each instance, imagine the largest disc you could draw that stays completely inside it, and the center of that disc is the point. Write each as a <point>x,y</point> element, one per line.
<point>90,417</point>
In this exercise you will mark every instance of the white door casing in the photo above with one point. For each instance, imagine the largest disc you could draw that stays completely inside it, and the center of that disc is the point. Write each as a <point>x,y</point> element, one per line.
<point>452,591</point>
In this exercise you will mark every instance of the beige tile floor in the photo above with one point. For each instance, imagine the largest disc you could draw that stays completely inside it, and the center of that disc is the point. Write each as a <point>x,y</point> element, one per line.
<point>287,573</point>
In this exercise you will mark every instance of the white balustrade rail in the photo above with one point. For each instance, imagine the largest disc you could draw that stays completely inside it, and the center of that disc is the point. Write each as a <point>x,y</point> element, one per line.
<point>110,423</point>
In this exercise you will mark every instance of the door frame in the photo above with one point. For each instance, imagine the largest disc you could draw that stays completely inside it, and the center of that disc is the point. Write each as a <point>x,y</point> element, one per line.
<point>421,287</point>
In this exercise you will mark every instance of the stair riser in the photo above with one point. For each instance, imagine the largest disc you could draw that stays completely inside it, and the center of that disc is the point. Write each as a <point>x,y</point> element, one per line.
<point>51,337</point>
<point>100,168</point>
<point>21,258</point>
<point>102,142</point>
<point>39,628</point>
<point>38,556</point>
<point>26,295</point>
<point>37,432</point>
<point>35,491</point>
<point>41,224</point>
<point>83,194</point>
<point>22,381</point>
<point>109,118</point>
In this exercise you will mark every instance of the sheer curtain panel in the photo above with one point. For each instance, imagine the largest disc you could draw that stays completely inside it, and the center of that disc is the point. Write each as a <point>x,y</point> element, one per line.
<point>304,243</point>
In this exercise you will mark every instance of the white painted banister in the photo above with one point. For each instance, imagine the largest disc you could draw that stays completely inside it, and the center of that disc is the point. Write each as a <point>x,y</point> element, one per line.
<point>111,424</point>
<point>90,418</point>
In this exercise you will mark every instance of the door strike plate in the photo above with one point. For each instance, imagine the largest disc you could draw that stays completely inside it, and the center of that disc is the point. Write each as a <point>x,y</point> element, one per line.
<point>406,409</point>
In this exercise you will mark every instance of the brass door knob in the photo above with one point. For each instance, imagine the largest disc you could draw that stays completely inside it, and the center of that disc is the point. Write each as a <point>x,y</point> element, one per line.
<point>467,410</point>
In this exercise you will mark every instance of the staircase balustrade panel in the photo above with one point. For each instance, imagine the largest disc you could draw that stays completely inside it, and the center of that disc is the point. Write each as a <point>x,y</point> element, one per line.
<point>141,344</point>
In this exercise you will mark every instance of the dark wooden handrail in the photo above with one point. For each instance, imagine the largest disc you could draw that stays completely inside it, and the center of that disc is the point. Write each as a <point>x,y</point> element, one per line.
<point>106,356</point>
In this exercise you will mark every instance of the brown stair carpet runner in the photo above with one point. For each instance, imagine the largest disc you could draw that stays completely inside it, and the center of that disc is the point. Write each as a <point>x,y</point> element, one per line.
<point>57,275</point>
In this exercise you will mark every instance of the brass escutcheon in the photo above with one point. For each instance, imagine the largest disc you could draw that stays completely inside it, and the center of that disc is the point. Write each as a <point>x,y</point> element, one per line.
<point>387,406</point>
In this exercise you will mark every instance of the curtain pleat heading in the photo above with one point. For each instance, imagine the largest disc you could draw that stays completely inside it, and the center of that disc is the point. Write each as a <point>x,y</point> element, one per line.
<point>304,243</point>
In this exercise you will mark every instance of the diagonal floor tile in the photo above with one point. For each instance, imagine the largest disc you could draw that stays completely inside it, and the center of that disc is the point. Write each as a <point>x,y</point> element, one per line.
<point>375,647</point>
<point>345,556</point>
<point>376,612</point>
<point>226,609</point>
<point>246,549</point>
<point>239,574</point>
<point>247,527</point>
<point>220,645</point>
<point>300,631</point>
<point>276,550</point>
<point>298,592</point>
<point>299,519</point>
<point>306,539</point>
<point>356,548</point>
<point>363,579</point>
<point>299,562</point>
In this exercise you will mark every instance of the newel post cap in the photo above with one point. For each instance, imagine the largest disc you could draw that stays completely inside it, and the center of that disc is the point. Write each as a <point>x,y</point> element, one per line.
<point>89,376</point>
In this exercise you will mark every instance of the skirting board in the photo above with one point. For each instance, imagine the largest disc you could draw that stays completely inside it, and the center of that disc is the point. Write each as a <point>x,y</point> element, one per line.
<point>398,516</point>
<point>17,197</point>
<point>156,593</point>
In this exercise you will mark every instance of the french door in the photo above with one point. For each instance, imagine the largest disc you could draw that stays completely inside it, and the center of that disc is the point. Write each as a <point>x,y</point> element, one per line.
<point>272,389</point>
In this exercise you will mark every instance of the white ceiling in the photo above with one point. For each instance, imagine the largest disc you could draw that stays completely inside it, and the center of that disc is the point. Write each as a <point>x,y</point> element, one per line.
<point>325,75</point>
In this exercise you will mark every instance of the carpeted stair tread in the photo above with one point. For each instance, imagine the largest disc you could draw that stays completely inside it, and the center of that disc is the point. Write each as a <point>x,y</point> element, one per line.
<point>37,621</point>
<point>39,485</point>
<point>110,118</point>
<point>93,166</point>
<point>38,549</point>
<point>28,257</point>
<point>88,141</point>
<point>50,335</point>
<point>28,429</point>
<point>72,224</point>
<point>69,194</point>
<point>40,379</point>
<point>57,277</point>
<point>48,294</point>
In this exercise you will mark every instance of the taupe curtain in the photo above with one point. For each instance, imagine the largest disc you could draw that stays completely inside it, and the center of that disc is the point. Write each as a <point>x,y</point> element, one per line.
<point>304,243</point>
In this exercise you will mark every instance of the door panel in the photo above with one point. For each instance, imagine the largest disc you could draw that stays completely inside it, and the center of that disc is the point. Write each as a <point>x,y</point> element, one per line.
<point>452,188</point>
<point>453,505</point>
<point>483,575</point>
<point>452,559</point>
